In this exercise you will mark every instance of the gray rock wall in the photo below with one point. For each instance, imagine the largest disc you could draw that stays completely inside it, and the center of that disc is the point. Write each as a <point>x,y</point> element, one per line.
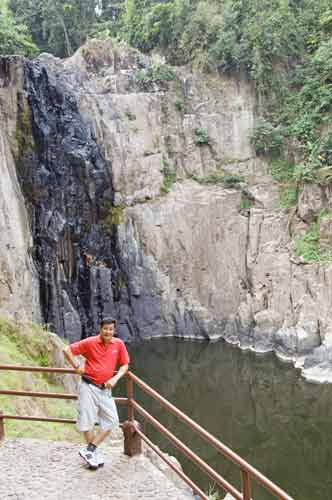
<point>196,263</point>
<point>177,251</point>
<point>19,288</point>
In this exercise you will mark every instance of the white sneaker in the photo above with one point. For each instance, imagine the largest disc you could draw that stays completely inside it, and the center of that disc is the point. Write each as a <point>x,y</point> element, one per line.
<point>100,459</point>
<point>90,457</point>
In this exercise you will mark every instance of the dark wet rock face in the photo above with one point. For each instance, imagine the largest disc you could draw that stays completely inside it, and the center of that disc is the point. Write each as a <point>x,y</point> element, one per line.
<point>68,187</point>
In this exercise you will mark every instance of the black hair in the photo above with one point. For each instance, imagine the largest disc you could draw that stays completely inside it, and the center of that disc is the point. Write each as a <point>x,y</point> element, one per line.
<point>107,321</point>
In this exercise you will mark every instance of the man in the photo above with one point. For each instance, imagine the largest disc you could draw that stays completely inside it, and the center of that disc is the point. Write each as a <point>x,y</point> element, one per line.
<point>95,403</point>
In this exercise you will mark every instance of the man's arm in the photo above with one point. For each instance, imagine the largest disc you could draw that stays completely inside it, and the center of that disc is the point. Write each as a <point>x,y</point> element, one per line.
<point>71,360</point>
<point>114,380</point>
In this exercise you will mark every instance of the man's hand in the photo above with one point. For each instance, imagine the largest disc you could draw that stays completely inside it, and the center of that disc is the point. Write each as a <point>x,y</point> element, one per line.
<point>112,382</point>
<point>70,358</point>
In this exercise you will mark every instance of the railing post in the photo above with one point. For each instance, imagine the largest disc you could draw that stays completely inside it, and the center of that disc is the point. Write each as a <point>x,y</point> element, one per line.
<point>132,441</point>
<point>245,485</point>
<point>2,427</point>
<point>130,396</point>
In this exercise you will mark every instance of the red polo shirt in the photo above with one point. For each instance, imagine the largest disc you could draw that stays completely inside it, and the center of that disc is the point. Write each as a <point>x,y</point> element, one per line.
<point>100,359</point>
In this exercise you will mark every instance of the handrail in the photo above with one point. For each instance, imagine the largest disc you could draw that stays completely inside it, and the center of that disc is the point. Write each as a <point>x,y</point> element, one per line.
<point>190,454</point>
<point>54,395</point>
<point>247,471</point>
<point>278,492</point>
<point>38,419</point>
<point>179,472</point>
<point>26,368</point>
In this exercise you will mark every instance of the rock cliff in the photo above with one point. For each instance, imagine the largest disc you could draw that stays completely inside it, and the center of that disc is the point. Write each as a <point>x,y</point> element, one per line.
<point>147,201</point>
<point>19,294</point>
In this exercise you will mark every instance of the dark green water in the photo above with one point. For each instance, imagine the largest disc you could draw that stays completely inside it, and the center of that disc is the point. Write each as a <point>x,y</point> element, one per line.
<point>255,404</point>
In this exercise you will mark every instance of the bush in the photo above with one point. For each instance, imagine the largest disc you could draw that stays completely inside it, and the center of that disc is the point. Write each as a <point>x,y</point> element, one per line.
<point>169,177</point>
<point>306,245</point>
<point>288,196</point>
<point>232,181</point>
<point>246,203</point>
<point>15,37</point>
<point>201,136</point>
<point>266,139</point>
<point>179,105</point>
<point>282,170</point>
<point>219,177</point>
<point>156,73</point>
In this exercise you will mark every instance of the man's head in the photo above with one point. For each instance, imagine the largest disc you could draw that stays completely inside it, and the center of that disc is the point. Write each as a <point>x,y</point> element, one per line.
<point>107,329</point>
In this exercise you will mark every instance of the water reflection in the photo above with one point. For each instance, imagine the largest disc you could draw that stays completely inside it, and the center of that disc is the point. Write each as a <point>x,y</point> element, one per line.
<point>257,405</point>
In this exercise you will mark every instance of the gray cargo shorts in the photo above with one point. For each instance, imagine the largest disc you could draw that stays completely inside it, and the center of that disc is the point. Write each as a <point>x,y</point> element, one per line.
<point>96,406</point>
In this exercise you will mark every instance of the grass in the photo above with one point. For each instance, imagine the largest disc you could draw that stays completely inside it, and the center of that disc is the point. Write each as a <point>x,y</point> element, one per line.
<point>114,216</point>
<point>28,344</point>
<point>308,247</point>
<point>213,494</point>
<point>245,203</point>
<point>201,137</point>
<point>156,73</point>
<point>282,170</point>
<point>288,196</point>
<point>220,177</point>
<point>179,105</point>
<point>169,177</point>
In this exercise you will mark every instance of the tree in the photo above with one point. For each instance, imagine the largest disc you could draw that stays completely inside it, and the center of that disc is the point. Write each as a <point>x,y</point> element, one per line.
<point>57,27</point>
<point>14,37</point>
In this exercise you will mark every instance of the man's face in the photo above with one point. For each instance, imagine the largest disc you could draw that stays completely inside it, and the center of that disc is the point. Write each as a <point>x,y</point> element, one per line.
<point>107,332</point>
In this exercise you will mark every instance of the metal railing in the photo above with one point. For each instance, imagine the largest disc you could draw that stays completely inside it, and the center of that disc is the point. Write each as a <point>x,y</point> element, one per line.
<point>247,472</point>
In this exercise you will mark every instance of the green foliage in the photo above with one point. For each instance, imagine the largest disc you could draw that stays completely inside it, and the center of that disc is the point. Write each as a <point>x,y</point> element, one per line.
<point>179,105</point>
<point>288,196</point>
<point>147,24</point>
<point>56,26</point>
<point>156,73</point>
<point>266,139</point>
<point>213,494</point>
<point>201,137</point>
<point>245,203</point>
<point>14,36</point>
<point>220,177</point>
<point>114,217</point>
<point>169,177</point>
<point>23,134</point>
<point>216,178</point>
<point>308,245</point>
<point>131,116</point>
<point>282,170</point>
<point>43,359</point>
<point>232,181</point>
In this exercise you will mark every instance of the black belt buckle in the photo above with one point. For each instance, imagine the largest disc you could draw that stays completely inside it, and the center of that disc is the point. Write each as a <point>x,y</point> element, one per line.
<point>102,387</point>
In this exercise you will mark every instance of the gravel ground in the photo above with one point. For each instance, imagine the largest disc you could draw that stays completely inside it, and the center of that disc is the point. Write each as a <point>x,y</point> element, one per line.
<point>33,469</point>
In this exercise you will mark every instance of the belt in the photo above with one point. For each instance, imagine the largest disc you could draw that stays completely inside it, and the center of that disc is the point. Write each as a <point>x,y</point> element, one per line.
<point>88,381</point>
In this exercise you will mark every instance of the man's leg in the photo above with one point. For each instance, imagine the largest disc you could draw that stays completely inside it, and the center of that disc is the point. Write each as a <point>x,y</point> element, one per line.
<point>89,437</point>
<point>87,416</point>
<point>108,419</point>
<point>99,437</point>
